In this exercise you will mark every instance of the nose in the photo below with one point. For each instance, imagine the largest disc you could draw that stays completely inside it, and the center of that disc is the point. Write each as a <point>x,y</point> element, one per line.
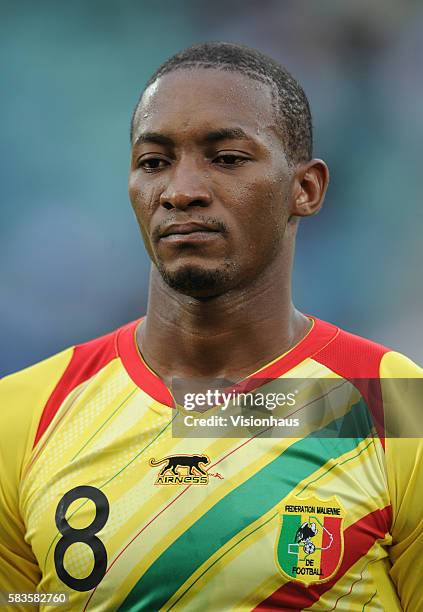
<point>186,187</point>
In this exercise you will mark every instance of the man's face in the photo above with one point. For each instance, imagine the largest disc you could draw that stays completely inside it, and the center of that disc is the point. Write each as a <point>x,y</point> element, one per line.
<point>209,181</point>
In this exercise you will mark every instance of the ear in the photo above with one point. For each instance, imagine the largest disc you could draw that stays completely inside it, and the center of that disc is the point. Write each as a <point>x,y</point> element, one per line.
<point>310,182</point>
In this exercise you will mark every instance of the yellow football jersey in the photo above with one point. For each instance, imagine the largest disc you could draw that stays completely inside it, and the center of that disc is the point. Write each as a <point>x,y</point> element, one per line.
<point>99,500</point>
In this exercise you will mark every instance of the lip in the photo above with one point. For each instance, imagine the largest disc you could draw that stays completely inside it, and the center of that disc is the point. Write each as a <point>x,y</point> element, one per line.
<point>191,237</point>
<point>186,230</point>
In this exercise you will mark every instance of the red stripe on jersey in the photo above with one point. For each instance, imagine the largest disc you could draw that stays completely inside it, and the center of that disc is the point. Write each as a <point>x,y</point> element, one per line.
<point>137,369</point>
<point>319,336</point>
<point>358,539</point>
<point>87,359</point>
<point>358,360</point>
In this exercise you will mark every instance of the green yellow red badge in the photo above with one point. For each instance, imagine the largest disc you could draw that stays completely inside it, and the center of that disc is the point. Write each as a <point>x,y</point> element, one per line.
<point>310,546</point>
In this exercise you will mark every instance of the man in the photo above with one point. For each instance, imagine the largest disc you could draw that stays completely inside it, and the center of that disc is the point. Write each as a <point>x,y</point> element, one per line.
<point>101,502</point>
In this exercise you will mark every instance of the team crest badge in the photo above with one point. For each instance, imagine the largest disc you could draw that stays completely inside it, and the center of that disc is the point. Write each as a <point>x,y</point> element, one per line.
<point>310,545</point>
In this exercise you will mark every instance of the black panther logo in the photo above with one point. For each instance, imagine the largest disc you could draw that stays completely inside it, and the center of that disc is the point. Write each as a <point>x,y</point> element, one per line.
<point>174,462</point>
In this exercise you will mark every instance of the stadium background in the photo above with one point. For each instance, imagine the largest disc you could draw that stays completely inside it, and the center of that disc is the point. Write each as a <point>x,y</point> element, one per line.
<point>72,262</point>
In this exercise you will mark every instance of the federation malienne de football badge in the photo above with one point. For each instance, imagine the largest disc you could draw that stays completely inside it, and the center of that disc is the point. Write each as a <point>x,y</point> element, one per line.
<point>310,545</point>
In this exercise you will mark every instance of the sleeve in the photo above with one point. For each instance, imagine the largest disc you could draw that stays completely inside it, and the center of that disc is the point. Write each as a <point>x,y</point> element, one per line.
<point>22,399</point>
<point>404,460</point>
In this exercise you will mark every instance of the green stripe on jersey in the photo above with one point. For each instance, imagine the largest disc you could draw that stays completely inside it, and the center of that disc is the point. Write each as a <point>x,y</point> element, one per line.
<point>244,505</point>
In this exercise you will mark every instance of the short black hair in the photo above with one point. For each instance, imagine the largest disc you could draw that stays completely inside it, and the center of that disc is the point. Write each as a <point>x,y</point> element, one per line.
<point>292,107</point>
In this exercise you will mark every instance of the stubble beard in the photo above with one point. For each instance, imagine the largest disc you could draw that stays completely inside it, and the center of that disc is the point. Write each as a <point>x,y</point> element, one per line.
<point>197,281</point>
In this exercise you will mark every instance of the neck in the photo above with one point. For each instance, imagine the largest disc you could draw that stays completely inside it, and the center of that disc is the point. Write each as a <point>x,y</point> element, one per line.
<point>229,336</point>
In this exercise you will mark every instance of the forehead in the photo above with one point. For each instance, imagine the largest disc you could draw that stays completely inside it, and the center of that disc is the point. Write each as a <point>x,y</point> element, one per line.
<point>202,99</point>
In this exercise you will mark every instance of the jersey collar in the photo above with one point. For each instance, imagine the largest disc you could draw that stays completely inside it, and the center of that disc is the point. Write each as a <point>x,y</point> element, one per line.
<point>320,334</point>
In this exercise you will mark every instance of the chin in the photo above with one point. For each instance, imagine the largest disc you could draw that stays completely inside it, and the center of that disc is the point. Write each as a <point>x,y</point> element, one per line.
<point>199,281</point>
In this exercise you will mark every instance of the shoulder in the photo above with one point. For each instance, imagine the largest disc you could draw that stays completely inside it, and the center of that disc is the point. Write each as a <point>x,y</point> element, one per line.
<point>39,380</point>
<point>22,399</point>
<point>353,356</point>
<point>23,394</point>
<point>33,394</point>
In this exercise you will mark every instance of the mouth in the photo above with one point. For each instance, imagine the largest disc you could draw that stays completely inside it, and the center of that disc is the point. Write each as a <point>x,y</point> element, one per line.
<point>189,232</point>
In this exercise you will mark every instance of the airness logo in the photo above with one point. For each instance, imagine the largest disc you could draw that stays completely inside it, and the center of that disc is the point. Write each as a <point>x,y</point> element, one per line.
<point>310,546</point>
<point>182,469</point>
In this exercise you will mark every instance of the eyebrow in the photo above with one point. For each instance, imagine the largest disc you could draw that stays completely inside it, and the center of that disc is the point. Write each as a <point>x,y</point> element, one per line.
<point>154,137</point>
<point>234,133</point>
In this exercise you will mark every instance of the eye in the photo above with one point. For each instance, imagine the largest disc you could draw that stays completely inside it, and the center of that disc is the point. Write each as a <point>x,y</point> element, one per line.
<point>152,164</point>
<point>230,159</point>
